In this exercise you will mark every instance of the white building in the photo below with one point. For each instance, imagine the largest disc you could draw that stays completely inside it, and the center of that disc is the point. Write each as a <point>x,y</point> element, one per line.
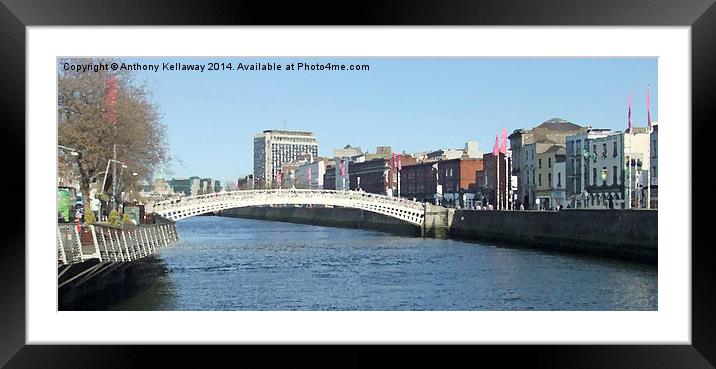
<point>618,170</point>
<point>559,193</point>
<point>273,148</point>
<point>577,165</point>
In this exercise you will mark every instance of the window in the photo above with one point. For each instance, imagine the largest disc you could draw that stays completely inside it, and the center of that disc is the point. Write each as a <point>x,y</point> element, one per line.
<point>615,177</point>
<point>574,167</point>
<point>604,150</point>
<point>549,180</point>
<point>539,178</point>
<point>559,180</point>
<point>540,164</point>
<point>533,176</point>
<point>654,172</point>
<point>594,176</point>
<point>614,154</point>
<point>579,148</point>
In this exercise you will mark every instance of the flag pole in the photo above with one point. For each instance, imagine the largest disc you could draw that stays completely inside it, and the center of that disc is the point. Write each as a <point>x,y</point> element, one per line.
<point>648,171</point>
<point>497,185</point>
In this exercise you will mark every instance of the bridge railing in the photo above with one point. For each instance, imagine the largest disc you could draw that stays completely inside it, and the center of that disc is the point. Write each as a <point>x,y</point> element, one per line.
<point>258,194</point>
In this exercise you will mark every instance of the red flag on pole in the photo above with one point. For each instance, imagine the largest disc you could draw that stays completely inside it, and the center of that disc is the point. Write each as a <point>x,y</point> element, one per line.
<point>629,113</point>
<point>109,109</point>
<point>503,143</point>
<point>648,105</point>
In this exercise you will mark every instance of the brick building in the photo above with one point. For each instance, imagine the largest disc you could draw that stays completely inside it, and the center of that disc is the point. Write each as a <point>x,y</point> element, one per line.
<point>487,180</point>
<point>370,176</point>
<point>378,175</point>
<point>329,179</point>
<point>455,177</point>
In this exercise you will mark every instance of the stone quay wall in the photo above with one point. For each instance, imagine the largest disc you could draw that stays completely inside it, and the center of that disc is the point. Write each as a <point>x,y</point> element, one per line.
<point>630,235</point>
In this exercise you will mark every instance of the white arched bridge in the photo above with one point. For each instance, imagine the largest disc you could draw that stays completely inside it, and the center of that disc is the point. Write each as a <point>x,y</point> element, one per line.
<point>176,209</point>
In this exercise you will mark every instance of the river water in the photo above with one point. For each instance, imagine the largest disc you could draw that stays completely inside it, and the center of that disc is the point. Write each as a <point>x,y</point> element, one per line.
<point>241,264</point>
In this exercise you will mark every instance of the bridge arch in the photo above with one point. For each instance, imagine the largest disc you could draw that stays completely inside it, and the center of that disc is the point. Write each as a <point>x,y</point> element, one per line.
<point>399,208</point>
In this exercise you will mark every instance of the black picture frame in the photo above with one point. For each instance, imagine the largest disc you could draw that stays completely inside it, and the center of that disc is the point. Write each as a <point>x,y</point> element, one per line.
<point>15,15</point>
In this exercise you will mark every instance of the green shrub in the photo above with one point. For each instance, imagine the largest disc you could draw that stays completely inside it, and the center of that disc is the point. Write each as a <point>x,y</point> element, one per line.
<point>89,217</point>
<point>114,218</point>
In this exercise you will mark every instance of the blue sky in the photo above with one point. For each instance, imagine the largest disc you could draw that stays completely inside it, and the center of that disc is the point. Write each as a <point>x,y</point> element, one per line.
<point>410,104</point>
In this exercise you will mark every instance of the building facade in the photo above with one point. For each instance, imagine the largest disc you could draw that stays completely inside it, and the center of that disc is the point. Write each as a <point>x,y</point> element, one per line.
<point>273,148</point>
<point>329,178</point>
<point>448,182</point>
<point>618,170</point>
<point>188,187</point>
<point>524,156</point>
<point>550,184</point>
<point>654,158</point>
<point>488,185</point>
<point>246,183</point>
<point>370,176</point>
<point>419,181</point>
<point>310,175</point>
<point>577,166</point>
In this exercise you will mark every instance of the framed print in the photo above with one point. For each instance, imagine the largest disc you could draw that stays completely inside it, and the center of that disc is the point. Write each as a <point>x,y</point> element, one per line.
<point>252,176</point>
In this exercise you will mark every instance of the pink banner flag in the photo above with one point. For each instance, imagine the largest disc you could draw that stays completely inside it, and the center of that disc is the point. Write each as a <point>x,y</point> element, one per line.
<point>109,108</point>
<point>400,163</point>
<point>648,105</point>
<point>308,175</point>
<point>496,147</point>
<point>503,143</point>
<point>342,167</point>
<point>629,113</point>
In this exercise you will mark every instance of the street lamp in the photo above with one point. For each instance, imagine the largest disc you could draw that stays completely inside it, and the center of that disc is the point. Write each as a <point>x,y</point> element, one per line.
<point>73,152</point>
<point>114,180</point>
<point>106,171</point>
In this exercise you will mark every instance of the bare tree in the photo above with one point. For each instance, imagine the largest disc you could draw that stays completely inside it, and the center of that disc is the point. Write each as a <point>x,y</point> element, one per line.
<point>137,130</point>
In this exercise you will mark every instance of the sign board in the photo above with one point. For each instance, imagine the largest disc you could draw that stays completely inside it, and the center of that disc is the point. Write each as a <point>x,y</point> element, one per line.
<point>134,213</point>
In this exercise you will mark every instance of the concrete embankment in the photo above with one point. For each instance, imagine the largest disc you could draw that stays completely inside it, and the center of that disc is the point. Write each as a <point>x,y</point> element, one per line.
<point>117,282</point>
<point>101,264</point>
<point>620,234</point>
<point>332,217</point>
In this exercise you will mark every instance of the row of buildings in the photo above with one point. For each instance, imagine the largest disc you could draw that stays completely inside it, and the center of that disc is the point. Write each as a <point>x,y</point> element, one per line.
<point>554,164</point>
<point>559,163</point>
<point>192,186</point>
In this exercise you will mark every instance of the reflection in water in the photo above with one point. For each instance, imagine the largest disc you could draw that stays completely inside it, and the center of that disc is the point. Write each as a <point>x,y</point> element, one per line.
<point>241,264</point>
